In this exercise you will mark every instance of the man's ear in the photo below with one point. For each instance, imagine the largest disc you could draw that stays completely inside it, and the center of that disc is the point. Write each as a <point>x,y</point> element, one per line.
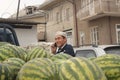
<point>65,39</point>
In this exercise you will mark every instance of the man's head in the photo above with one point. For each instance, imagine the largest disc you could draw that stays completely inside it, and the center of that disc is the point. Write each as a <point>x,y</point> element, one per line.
<point>60,38</point>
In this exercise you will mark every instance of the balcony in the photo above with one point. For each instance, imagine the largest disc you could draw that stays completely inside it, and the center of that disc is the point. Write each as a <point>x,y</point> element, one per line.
<point>100,8</point>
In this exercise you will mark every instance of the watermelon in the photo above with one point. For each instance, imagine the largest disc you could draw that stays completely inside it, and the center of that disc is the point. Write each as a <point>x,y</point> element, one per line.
<point>61,56</point>
<point>79,68</point>
<point>37,69</point>
<point>15,64</point>
<point>4,43</point>
<point>5,72</point>
<point>9,51</point>
<point>110,64</point>
<point>37,52</point>
<point>22,53</point>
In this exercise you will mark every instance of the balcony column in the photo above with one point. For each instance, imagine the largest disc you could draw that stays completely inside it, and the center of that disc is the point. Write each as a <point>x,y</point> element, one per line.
<point>100,2</point>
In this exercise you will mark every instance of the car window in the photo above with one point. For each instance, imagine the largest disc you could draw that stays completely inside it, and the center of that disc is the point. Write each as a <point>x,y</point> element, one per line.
<point>113,50</point>
<point>6,36</point>
<point>85,53</point>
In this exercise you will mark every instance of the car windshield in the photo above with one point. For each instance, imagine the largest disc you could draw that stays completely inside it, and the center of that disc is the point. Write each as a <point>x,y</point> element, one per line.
<point>113,50</point>
<point>86,53</point>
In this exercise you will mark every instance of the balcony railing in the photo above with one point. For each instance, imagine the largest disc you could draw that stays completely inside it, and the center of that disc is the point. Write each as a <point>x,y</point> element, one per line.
<point>98,7</point>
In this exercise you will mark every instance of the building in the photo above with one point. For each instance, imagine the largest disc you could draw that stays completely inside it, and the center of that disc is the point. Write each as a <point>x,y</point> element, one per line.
<point>84,21</point>
<point>25,31</point>
<point>60,17</point>
<point>99,21</point>
<point>31,13</point>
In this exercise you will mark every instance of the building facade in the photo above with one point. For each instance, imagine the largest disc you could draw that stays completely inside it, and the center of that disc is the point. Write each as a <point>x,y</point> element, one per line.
<point>99,21</point>
<point>59,18</point>
<point>31,13</point>
<point>89,21</point>
<point>84,21</point>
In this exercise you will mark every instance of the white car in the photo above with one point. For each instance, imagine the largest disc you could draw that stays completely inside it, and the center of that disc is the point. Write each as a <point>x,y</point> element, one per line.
<point>95,51</point>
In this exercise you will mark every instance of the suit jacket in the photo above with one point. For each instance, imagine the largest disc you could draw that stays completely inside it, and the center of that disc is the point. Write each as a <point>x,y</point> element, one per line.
<point>68,49</point>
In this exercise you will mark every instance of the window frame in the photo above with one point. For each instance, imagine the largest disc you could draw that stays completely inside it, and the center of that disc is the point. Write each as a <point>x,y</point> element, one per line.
<point>94,33</point>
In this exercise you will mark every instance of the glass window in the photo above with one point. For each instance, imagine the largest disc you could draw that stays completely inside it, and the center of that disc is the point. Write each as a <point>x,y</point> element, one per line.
<point>86,53</point>
<point>82,38</point>
<point>113,50</point>
<point>118,33</point>
<point>58,17</point>
<point>68,14</point>
<point>6,36</point>
<point>94,35</point>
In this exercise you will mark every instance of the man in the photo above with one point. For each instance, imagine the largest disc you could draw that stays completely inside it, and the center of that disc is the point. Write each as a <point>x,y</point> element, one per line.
<point>61,45</point>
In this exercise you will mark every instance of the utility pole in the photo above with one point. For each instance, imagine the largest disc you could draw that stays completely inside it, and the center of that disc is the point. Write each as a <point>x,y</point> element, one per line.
<point>18,9</point>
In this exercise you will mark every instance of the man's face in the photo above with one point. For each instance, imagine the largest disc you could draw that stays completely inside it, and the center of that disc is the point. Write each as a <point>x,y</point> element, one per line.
<point>60,40</point>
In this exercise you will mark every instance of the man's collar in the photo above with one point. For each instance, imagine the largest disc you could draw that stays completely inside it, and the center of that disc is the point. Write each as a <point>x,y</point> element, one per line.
<point>63,46</point>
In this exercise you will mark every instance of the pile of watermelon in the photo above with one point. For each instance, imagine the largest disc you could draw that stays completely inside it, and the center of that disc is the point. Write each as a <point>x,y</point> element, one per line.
<point>17,63</point>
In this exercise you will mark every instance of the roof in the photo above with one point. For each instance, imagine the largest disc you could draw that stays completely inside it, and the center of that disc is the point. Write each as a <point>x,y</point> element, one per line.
<point>48,4</point>
<point>19,23</point>
<point>14,21</point>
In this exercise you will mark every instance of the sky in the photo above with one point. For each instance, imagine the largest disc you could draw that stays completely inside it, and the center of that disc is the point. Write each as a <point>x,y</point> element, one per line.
<point>9,7</point>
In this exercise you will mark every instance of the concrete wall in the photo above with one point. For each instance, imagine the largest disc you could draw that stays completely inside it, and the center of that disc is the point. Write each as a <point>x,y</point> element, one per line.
<point>26,36</point>
<point>107,29</point>
<point>63,25</point>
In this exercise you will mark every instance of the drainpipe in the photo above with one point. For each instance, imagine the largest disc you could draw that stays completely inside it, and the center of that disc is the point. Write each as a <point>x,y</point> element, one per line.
<point>75,20</point>
<point>45,15</point>
<point>109,24</point>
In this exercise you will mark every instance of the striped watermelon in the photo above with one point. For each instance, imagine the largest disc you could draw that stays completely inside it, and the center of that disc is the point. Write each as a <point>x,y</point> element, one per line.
<point>60,56</point>
<point>9,51</point>
<point>80,69</point>
<point>22,53</point>
<point>5,72</point>
<point>37,69</point>
<point>15,64</point>
<point>37,52</point>
<point>110,64</point>
<point>6,52</point>
<point>59,59</point>
<point>58,63</point>
<point>3,43</point>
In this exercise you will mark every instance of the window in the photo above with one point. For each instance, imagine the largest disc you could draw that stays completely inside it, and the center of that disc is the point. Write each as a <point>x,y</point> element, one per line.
<point>50,15</point>
<point>117,1</point>
<point>68,14</point>
<point>113,50</point>
<point>118,33</point>
<point>82,38</point>
<point>118,4</point>
<point>94,35</point>
<point>91,7</point>
<point>7,36</point>
<point>86,53</point>
<point>58,17</point>
<point>30,10</point>
<point>69,37</point>
<point>83,3</point>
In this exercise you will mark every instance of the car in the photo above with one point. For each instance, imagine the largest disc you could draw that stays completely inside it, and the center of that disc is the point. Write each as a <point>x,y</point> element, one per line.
<point>8,34</point>
<point>96,51</point>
